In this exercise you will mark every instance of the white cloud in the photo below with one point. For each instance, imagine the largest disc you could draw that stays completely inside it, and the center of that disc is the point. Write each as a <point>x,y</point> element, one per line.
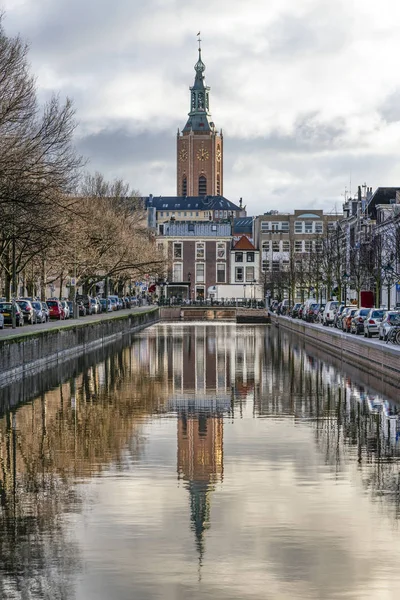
<point>308,83</point>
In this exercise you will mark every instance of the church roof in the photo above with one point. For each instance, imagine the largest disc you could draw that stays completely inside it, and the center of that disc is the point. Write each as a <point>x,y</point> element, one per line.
<point>190,203</point>
<point>244,244</point>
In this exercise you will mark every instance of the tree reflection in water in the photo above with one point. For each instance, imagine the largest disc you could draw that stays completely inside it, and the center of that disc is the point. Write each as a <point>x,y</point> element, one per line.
<point>67,434</point>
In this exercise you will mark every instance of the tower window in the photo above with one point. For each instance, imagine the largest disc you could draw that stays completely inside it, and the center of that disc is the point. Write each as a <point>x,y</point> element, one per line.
<point>202,186</point>
<point>218,185</point>
<point>184,186</point>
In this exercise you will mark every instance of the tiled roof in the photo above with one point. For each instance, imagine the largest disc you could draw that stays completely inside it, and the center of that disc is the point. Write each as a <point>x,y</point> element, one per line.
<point>190,203</point>
<point>195,229</point>
<point>244,244</point>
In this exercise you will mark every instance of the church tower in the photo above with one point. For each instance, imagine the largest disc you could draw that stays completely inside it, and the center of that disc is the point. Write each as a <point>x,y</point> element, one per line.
<point>199,146</point>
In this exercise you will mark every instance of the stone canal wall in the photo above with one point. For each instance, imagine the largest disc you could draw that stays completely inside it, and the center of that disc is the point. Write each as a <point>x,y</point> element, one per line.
<point>376,359</point>
<point>42,349</point>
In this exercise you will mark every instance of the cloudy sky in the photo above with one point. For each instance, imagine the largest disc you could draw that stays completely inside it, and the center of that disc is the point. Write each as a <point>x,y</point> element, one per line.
<point>307,92</point>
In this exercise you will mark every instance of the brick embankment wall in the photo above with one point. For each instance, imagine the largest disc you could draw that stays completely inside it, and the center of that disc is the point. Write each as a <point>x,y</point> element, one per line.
<point>377,360</point>
<point>37,351</point>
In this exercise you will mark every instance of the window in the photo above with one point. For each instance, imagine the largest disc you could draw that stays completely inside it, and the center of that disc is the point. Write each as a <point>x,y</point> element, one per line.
<point>275,226</point>
<point>199,292</point>
<point>249,273</point>
<point>200,250</point>
<point>308,246</point>
<point>285,265</point>
<point>221,273</point>
<point>308,226</point>
<point>218,185</point>
<point>275,266</point>
<point>167,213</point>
<point>319,227</point>
<point>202,186</point>
<point>177,272</point>
<point>184,186</point>
<point>191,227</point>
<point>298,226</point>
<point>221,250</point>
<point>177,250</point>
<point>238,256</point>
<point>239,274</point>
<point>318,247</point>
<point>298,246</point>
<point>275,246</point>
<point>250,257</point>
<point>266,246</point>
<point>264,226</point>
<point>161,214</point>
<point>265,265</point>
<point>200,272</point>
<point>285,246</point>
<point>331,226</point>
<point>285,226</point>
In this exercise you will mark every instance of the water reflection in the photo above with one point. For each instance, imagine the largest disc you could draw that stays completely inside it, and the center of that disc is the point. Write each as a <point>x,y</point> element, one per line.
<point>206,460</point>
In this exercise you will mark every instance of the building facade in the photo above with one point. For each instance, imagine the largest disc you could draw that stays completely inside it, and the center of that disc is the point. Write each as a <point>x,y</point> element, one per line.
<point>200,148</point>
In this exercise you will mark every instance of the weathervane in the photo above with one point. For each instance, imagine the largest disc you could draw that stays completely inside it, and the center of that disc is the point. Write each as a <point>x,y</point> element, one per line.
<point>199,40</point>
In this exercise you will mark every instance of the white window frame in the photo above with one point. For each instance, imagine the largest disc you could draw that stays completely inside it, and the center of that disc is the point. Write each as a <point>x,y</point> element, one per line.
<point>200,278</point>
<point>296,246</point>
<point>264,226</point>
<point>223,265</point>
<point>221,251</point>
<point>237,280</point>
<point>200,250</point>
<point>298,226</point>
<point>276,242</point>
<point>180,246</point>
<point>250,274</point>
<point>285,246</point>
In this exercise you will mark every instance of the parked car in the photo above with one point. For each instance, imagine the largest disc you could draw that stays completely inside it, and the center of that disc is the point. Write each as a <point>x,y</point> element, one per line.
<point>64,304</point>
<point>357,322</point>
<point>372,322</point>
<point>6,311</point>
<point>329,312</point>
<point>40,315</point>
<point>106,305</point>
<point>96,306</point>
<point>55,309</point>
<point>46,311</point>
<point>301,311</point>
<point>337,321</point>
<point>28,311</point>
<point>348,315</point>
<point>81,309</point>
<point>295,310</point>
<point>1,321</point>
<point>310,312</point>
<point>85,300</point>
<point>391,319</point>
<point>320,313</point>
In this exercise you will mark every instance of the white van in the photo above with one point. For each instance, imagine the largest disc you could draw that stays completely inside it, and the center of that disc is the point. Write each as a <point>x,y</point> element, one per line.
<point>328,316</point>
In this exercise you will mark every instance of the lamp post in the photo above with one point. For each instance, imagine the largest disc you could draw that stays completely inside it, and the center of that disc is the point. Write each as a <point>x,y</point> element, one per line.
<point>345,281</point>
<point>166,291</point>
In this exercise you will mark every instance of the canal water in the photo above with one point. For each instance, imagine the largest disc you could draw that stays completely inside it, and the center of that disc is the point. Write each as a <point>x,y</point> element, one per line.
<point>202,461</point>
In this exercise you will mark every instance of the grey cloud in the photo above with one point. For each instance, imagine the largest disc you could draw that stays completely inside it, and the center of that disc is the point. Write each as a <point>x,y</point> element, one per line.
<point>390,109</point>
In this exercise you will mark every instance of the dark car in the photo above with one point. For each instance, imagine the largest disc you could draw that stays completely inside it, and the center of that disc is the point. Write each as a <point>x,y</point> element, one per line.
<point>28,311</point>
<point>348,314</point>
<point>295,310</point>
<point>337,321</point>
<point>85,299</point>
<point>310,312</point>
<point>357,322</point>
<point>6,311</point>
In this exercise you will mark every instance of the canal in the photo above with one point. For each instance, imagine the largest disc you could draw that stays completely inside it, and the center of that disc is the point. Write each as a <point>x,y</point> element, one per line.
<point>201,461</point>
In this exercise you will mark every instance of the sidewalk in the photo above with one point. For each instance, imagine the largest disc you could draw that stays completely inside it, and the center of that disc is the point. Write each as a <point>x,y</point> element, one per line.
<point>8,332</point>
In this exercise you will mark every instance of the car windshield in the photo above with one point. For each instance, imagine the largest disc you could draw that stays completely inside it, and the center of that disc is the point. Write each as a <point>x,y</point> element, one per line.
<point>364,312</point>
<point>52,303</point>
<point>37,305</point>
<point>394,319</point>
<point>22,303</point>
<point>353,312</point>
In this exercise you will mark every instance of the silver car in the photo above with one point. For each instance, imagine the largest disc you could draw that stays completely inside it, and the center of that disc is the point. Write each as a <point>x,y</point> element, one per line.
<point>390,319</point>
<point>372,322</point>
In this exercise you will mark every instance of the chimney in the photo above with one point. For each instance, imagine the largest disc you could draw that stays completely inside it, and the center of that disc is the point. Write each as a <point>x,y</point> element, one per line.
<point>241,203</point>
<point>359,193</point>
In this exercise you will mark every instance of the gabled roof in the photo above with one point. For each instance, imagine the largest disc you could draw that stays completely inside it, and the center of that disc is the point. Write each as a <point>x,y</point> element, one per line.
<point>244,244</point>
<point>190,203</point>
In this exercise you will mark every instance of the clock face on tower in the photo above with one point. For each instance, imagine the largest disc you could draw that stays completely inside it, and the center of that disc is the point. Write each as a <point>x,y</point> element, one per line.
<point>202,154</point>
<point>183,154</point>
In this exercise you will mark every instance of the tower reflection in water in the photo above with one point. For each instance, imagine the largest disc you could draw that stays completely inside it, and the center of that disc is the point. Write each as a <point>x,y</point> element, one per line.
<point>208,370</point>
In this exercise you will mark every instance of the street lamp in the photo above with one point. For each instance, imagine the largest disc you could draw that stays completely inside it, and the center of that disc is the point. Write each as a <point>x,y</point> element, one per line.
<point>345,278</point>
